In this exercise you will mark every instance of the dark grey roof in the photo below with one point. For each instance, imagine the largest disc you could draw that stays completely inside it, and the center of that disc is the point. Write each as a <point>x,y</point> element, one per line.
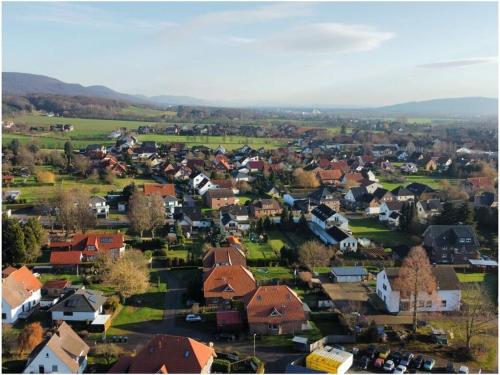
<point>323,193</point>
<point>432,204</point>
<point>235,210</point>
<point>446,277</point>
<point>194,213</point>
<point>418,188</point>
<point>349,271</point>
<point>357,192</point>
<point>82,300</point>
<point>446,235</point>
<point>401,192</point>
<point>225,219</point>
<point>380,192</point>
<point>323,212</point>
<point>337,233</point>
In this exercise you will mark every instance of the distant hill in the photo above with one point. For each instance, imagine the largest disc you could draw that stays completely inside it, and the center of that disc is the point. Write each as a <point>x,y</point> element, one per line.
<point>470,106</point>
<point>25,83</point>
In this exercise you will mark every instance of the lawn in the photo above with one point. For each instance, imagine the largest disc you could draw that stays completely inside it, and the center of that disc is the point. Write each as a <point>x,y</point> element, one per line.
<point>431,181</point>
<point>471,277</point>
<point>261,250</point>
<point>56,276</point>
<point>272,273</point>
<point>377,232</point>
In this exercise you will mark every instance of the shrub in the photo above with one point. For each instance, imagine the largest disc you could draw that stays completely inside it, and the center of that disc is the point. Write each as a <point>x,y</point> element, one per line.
<point>46,177</point>
<point>221,365</point>
<point>161,253</point>
<point>112,303</point>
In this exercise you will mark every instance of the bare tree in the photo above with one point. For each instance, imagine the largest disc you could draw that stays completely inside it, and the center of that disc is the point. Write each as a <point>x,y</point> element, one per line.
<point>82,165</point>
<point>314,254</point>
<point>156,212</point>
<point>64,206</point>
<point>305,179</point>
<point>84,215</point>
<point>30,337</point>
<point>129,274</point>
<point>478,312</point>
<point>138,212</point>
<point>415,276</point>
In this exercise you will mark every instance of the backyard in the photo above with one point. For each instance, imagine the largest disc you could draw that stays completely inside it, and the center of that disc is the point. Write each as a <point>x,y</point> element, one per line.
<point>375,231</point>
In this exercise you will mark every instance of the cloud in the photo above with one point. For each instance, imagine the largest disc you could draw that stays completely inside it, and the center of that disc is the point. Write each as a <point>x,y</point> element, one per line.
<point>327,37</point>
<point>459,63</point>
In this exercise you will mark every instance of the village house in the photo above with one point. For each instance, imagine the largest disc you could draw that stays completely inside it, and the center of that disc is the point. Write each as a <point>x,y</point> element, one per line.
<point>348,274</point>
<point>64,352</point>
<point>21,293</point>
<point>224,256</point>
<point>265,207</point>
<point>224,284</point>
<point>485,199</point>
<point>427,210</point>
<point>90,244</point>
<point>217,198</point>
<point>168,354</point>
<point>275,310</point>
<point>329,176</point>
<point>234,219</point>
<point>476,184</point>
<point>191,217</point>
<point>327,196</point>
<point>402,194</point>
<point>422,191</point>
<point>388,209</point>
<point>454,244</point>
<point>100,206</point>
<point>325,217</point>
<point>84,305</point>
<point>446,297</point>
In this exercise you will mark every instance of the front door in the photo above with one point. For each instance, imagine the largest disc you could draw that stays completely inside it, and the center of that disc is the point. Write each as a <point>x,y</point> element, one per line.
<point>41,369</point>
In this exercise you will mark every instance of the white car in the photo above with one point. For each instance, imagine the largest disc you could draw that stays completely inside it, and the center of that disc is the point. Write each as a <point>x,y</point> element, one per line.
<point>400,370</point>
<point>193,318</point>
<point>463,370</point>
<point>389,366</point>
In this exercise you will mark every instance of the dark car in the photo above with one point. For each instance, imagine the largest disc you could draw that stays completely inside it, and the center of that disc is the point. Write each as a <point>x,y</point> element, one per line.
<point>450,368</point>
<point>396,357</point>
<point>417,362</point>
<point>371,351</point>
<point>363,362</point>
<point>406,359</point>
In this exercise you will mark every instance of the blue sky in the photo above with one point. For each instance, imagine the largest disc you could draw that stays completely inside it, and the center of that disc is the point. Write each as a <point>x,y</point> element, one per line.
<point>320,54</point>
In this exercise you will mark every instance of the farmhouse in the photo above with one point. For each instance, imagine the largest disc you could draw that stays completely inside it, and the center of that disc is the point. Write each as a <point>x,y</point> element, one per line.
<point>445,298</point>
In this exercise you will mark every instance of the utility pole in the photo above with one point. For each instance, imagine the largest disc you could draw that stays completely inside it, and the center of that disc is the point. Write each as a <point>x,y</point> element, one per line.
<point>254,343</point>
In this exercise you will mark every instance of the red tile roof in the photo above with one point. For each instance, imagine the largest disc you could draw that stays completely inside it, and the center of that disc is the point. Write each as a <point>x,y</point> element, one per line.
<point>225,256</point>
<point>57,284</point>
<point>228,282</point>
<point>167,354</point>
<point>7,271</point>
<point>101,241</point>
<point>163,189</point>
<point>274,304</point>
<point>65,257</point>
<point>331,174</point>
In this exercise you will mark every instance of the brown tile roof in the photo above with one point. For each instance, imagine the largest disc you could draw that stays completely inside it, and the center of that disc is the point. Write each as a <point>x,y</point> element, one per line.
<point>167,354</point>
<point>58,284</point>
<point>101,241</point>
<point>66,346</point>
<point>65,257</point>
<point>224,256</point>
<point>7,271</point>
<point>163,189</point>
<point>228,281</point>
<point>220,193</point>
<point>331,174</point>
<point>19,286</point>
<point>227,184</point>
<point>274,304</point>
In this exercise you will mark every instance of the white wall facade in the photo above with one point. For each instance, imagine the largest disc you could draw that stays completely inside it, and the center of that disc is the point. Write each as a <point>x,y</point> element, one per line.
<point>51,364</point>
<point>77,316</point>
<point>12,313</point>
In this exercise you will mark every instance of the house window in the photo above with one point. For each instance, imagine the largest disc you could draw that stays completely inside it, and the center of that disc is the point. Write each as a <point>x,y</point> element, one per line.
<point>443,303</point>
<point>54,368</point>
<point>68,313</point>
<point>384,286</point>
<point>462,240</point>
<point>4,316</point>
<point>46,355</point>
<point>468,240</point>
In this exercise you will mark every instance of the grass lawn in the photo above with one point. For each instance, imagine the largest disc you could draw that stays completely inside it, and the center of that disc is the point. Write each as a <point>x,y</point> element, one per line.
<point>57,276</point>
<point>372,229</point>
<point>261,250</point>
<point>431,181</point>
<point>272,273</point>
<point>33,191</point>
<point>488,281</point>
<point>322,270</point>
<point>471,277</point>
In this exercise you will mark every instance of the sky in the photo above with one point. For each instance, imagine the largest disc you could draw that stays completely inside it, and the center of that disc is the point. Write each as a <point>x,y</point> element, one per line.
<point>261,53</point>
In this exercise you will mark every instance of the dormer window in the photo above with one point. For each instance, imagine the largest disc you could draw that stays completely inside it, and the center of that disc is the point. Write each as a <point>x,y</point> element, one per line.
<point>228,288</point>
<point>275,312</point>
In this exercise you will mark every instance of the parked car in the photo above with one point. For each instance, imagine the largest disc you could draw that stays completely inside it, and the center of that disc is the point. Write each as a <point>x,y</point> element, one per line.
<point>379,363</point>
<point>463,370</point>
<point>363,362</point>
<point>225,337</point>
<point>450,368</point>
<point>417,362</point>
<point>339,347</point>
<point>355,351</point>
<point>389,366</point>
<point>406,359</point>
<point>395,357</point>
<point>400,370</point>
<point>384,353</point>
<point>428,364</point>
<point>193,318</point>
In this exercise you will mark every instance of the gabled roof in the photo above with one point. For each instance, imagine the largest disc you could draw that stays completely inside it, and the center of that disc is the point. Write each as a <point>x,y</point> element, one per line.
<point>330,174</point>
<point>167,354</point>
<point>225,256</point>
<point>274,304</point>
<point>66,257</point>
<point>349,271</point>
<point>66,345</point>
<point>18,286</point>
<point>401,192</point>
<point>101,241</point>
<point>219,193</point>
<point>323,212</point>
<point>217,279</point>
<point>82,300</point>
<point>418,188</point>
<point>337,234</point>
<point>445,235</point>
<point>446,277</point>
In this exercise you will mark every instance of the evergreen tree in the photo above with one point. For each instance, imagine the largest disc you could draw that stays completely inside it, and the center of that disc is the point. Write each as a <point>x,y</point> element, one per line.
<point>466,215</point>
<point>13,245</point>
<point>68,152</point>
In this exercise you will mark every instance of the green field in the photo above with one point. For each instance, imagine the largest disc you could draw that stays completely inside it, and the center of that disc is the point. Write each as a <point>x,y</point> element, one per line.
<point>377,232</point>
<point>272,273</point>
<point>260,251</point>
<point>431,181</point>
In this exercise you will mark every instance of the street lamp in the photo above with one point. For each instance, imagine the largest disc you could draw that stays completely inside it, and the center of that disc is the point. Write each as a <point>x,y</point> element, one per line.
<point>254,343</point>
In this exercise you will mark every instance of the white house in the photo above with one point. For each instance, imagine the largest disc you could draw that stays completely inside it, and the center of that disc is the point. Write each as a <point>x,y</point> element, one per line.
<point>63,353</point>
<point>196,180</point>
<point>100,206</point>
<point>387,208</point>
<point>334,236</point>
<point>445,298</point>
<point>84,306</point>
<point>21,292</point>
<point>325,217</point>
<point>348,274</point>
<point>409,168</point>
<point>235,218</point>
<point>171,202</point>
